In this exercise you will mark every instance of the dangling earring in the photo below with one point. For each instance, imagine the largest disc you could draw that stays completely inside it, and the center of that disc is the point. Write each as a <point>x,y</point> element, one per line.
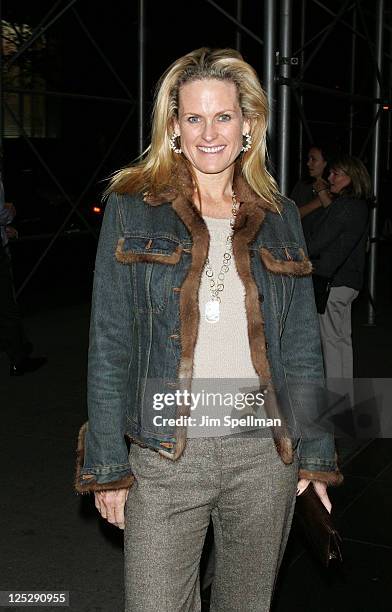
<point>246,143</point>
<point>173,143</point>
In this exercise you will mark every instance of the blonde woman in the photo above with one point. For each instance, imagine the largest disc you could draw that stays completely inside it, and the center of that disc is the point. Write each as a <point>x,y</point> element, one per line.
<point>201,277</point>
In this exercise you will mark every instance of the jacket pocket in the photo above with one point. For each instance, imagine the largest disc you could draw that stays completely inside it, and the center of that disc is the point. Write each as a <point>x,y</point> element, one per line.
<point>283,263</point>
<point>153,261</point>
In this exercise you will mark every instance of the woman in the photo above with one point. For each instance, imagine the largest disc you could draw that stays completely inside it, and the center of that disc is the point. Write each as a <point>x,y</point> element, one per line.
<point>337,248</point>
<point>201,273</point>
<point>312,194</point>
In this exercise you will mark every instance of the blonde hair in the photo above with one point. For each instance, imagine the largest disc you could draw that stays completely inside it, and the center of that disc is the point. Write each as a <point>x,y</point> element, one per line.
<point>158,164</point>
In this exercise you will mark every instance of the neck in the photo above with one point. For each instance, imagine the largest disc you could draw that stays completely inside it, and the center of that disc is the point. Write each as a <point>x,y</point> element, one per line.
<point>215,193</point>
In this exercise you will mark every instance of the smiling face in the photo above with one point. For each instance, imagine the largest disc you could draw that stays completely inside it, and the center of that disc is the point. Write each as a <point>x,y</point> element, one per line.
<point>316,163</point>
<point>210,124</point>
<point>338,180</point>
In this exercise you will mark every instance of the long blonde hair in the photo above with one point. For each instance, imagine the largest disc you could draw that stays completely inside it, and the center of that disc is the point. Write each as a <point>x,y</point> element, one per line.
<point>157,166</point>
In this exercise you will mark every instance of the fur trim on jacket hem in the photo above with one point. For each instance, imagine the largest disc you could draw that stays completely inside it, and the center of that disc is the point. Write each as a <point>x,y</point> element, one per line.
<point>86,483</point>
<point>331,478</point>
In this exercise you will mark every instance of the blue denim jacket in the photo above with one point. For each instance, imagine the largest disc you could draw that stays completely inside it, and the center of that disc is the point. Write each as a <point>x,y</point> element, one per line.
<point>144,320</point>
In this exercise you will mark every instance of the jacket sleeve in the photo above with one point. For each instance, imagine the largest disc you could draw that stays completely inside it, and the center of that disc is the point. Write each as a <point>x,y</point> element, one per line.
<point>102,456</point>
<point>303,364</point>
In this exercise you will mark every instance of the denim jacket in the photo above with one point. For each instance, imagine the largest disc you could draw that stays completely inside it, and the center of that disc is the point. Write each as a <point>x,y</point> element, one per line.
<point>145,317</point>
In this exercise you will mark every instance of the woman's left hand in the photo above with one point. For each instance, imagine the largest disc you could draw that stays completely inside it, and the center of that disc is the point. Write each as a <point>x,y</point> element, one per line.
<point>319,487</point>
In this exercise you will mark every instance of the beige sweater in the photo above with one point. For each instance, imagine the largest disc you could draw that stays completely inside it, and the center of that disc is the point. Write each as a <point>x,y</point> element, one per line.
<point>222,361</point>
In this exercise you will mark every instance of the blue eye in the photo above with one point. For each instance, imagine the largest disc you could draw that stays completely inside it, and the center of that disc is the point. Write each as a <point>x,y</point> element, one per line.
<point>193,119</point>
<point>224,117</point>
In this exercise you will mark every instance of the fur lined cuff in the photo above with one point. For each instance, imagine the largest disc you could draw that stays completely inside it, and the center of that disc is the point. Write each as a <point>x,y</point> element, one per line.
<point>86,483</point>
<point>331,478</point>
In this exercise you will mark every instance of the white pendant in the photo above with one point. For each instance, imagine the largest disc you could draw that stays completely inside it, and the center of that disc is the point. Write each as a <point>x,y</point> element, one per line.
<point>211,311</point>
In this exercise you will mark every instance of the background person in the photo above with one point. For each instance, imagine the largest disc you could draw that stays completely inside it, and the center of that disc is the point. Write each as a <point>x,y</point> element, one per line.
<point>13,339</point>
<point>338,242</point>
<point>311,194</point>
<point>162,286</point>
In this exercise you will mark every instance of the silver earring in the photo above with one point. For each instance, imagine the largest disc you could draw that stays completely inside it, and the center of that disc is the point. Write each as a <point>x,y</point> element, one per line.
<point>173,143</point>
<point>247,142</point>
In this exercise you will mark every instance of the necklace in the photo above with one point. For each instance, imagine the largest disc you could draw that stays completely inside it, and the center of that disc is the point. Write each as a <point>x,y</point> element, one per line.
<point>212,307</point>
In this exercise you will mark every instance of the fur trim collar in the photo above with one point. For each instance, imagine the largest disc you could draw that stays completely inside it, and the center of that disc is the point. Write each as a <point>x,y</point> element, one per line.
<point>182,184</point>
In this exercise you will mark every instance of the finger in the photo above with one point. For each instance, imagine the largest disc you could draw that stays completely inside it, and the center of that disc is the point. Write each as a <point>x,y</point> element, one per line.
<point>321,491</point>
<point>110,509</point>
<point>302,485</point>
<point>97,501</point>
<point>119,516</point>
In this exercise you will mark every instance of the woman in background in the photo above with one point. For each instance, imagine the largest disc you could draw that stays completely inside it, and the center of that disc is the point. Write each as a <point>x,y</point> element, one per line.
<point>337,246</point>
<point>311,194</point>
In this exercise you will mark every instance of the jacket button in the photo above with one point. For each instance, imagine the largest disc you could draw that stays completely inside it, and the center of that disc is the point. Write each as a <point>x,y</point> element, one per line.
<point>266,346</point>
<point>251,254</point>
<point>261,298</point>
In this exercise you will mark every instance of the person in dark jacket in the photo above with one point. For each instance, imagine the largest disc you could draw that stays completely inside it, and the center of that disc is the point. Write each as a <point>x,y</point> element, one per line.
<point>337,248</point>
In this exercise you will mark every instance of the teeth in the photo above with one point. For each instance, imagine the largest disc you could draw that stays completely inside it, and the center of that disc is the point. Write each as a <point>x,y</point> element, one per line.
<point>211,149</point>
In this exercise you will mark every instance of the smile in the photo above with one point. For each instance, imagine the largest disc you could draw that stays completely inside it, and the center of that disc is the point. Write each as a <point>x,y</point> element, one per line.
<point>212,149</point>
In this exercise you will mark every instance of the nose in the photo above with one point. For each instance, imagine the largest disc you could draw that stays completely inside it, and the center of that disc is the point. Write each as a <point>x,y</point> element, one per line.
<point>209,131</point>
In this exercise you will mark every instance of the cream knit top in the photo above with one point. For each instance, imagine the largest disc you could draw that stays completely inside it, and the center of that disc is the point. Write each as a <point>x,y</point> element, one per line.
<point>222,355</point>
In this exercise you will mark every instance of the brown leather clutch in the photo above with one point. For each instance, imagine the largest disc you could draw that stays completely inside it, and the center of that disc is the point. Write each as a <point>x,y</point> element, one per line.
<point>318,527</point>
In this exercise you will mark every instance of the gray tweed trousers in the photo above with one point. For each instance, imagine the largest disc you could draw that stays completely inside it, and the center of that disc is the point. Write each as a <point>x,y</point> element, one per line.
<point>238,481</point>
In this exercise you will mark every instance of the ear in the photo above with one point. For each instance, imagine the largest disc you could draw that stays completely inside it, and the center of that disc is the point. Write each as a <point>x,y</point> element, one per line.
<point>246,127</point>
<point>176,126</point>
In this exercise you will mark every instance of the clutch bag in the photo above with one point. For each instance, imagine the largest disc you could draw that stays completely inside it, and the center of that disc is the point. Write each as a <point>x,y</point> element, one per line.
<point>322,288</point>
<point>318,527</point>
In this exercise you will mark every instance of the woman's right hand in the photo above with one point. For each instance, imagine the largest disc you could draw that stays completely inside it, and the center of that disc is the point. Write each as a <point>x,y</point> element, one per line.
<point>110,504</point>
<point>319,184</point>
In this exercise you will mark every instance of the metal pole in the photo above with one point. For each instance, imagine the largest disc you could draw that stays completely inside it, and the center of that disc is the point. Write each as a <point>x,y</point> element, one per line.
<point>238,35</point>
<point>352,79</point>
<point>389,120</point>
<point>284,97</point>
<point>301,95</point>
<point>1,88</point>
<point>376,164</point>
<point>268,79</point>
<point>141,49</point>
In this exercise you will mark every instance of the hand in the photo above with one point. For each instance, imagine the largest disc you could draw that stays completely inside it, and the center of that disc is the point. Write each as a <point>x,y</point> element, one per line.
<point>319,487</point>
<point>11,208</point>
<point>324,197</point>
<point>110,504</point>
<point>320,184</point>
<point>11,232</point>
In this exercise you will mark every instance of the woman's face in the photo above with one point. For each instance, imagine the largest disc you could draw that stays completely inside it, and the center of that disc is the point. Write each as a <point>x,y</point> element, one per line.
<point>338,180</point>
<point>210,124</point>
<point>316,163</point>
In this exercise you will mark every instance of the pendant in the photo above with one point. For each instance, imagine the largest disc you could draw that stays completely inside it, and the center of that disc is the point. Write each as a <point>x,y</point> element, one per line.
<point>211,312</point>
